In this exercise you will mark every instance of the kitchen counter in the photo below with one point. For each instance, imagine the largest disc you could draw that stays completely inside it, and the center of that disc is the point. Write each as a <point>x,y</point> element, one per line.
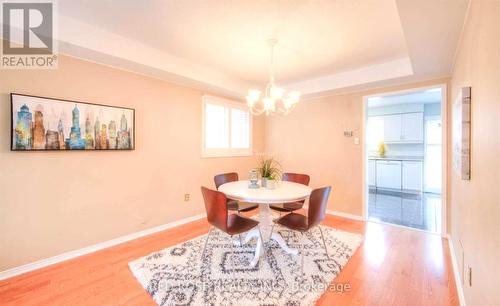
<point>396,172</point>
<point>401,158</point>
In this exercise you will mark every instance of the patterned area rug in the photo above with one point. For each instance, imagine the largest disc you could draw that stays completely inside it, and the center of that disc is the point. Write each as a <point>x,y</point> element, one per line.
<point>179,276</point>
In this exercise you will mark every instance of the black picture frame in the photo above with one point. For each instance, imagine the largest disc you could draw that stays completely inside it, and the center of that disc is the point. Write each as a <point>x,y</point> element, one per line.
<point>13,148</point>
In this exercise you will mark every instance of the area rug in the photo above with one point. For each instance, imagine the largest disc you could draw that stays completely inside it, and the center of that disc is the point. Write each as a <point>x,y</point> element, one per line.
<point>179,276</point>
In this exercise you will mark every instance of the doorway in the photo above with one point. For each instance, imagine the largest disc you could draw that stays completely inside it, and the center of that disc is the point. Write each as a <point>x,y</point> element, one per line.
<point>404,158</point>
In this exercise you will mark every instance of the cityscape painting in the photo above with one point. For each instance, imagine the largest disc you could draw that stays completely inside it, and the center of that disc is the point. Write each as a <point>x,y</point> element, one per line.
<point>50,124</point>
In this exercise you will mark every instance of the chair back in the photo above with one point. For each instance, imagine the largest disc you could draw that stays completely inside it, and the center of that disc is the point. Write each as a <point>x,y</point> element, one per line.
<point>318,201</point>
<point>215,205</point>
<point>296,178</point>
<point>225,178</point>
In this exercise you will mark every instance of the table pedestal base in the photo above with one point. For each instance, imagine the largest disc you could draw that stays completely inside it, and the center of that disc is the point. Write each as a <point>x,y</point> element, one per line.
<point>265,224</point>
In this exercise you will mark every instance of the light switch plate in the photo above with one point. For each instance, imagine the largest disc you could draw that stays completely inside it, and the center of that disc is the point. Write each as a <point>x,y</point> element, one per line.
<point>356,141</point>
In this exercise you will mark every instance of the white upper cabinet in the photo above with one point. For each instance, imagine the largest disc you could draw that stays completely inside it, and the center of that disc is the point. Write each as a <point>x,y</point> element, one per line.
<point>404,128</point>
<point>412,127</point>
<point>392,128</point>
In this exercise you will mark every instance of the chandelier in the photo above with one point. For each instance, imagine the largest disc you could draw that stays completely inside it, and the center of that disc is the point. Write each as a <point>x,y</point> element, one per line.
<point>274,100</point>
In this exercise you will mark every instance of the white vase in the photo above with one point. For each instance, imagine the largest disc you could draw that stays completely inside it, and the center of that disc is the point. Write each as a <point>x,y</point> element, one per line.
<point>270,184</point>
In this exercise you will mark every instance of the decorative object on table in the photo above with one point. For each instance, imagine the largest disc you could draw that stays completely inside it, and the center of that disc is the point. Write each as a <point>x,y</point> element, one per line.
<point>270,172</point>
<point>274,99</point>
<point>381,149</point>
<point>43,124</point>
<point>177,275</point>
<point>461,133</point>
<point>253,176</point>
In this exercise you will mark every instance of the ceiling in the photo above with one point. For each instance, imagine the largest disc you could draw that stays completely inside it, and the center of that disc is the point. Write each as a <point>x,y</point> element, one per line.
<point>315,37</point>
<point>220,45</point>
<point>427,96</point>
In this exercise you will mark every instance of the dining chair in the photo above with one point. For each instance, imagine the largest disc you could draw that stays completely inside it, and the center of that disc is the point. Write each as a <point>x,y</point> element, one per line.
<point>218,217</point>
<point>293,206</point>
<point>316,211</point>
<point>233,205</point>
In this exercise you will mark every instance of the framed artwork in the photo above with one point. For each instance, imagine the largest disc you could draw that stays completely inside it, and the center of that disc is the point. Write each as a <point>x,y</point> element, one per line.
<point>462,133</point>
<point>46,124</point>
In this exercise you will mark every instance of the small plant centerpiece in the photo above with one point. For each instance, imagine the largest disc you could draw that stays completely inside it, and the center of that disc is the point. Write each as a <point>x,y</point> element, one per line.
<point>270,171</point>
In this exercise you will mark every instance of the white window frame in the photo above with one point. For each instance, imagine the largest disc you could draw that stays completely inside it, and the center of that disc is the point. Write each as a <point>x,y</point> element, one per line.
<point>225,152</point>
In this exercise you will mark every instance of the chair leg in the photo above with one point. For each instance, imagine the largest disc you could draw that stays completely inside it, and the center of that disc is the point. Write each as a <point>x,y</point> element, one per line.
<point>241,241</point>
<point>238,213</point>
<point>324,244</point>
<point>272,229</point>
<point>232,260</point>
<point>302,263</point>
<point>206,242</point>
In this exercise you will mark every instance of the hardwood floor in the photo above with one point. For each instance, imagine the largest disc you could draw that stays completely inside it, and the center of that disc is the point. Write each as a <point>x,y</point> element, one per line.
<point>393,266</point>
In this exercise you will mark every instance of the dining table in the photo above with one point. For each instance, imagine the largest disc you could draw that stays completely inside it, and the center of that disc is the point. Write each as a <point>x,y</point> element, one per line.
<point>284,192</point>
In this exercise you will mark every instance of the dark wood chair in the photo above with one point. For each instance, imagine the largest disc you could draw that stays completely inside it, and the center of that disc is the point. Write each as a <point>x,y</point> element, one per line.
<point>316,211</point>
<point>233,204</point>
<point>291,207</point>
<point>218,217</point>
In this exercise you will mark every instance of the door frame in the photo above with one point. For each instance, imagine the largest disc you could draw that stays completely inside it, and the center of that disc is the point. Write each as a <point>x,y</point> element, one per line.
<point>444,153</point>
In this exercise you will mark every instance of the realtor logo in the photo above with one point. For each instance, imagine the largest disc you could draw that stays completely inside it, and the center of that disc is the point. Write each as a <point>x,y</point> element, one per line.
<point>28,31</point>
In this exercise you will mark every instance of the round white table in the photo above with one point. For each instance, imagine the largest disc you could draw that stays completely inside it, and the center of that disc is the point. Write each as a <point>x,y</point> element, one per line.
<point>285,192</point>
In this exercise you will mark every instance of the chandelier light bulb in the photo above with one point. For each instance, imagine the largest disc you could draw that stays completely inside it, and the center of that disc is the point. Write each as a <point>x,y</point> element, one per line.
<point>294,96</point>
<point>277,92</point>
<point>253,97</point>
<point>254,94</point>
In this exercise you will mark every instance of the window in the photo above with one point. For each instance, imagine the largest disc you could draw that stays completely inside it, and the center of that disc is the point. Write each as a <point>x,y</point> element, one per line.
<point>374,133</point>
<point>227,128</point>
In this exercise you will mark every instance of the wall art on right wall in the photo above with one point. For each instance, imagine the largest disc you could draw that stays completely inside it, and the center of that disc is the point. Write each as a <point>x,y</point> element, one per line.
<point>462,133</point>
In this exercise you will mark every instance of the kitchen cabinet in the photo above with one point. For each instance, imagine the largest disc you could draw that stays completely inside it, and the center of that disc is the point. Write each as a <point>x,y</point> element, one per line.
<point>388,174</point>
<point>372,179</point>
<point>392,128</point>
<point>412,175</point>
<point>404,128</point>
<point>412,127</point>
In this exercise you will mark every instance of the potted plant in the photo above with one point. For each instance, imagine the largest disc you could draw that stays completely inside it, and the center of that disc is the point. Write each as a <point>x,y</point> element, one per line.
<point>382,149</point>
<point>270,171</point>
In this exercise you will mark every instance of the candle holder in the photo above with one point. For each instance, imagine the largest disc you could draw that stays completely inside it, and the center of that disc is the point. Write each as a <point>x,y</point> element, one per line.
<point>254,178</point>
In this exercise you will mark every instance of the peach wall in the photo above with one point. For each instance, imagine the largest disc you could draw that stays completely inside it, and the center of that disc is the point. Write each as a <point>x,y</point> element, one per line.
<point>311,140</point>
<point>53,202</point>
<point>475,204</point>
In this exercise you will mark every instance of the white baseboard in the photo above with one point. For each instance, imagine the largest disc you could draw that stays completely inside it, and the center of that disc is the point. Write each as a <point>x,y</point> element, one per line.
<point>345,215</point>
<point>456,273</point>
<point>93,248</point>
